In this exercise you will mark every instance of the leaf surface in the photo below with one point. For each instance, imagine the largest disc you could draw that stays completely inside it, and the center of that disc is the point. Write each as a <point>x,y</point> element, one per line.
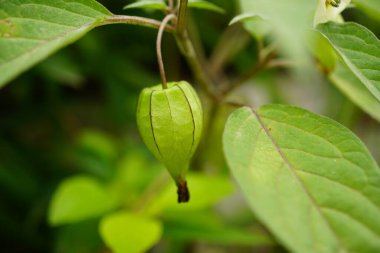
<point>359,49</point>
<point>79,198</point>
<point>129,232</point>
<point>309,179</point>
<point>353,88</point>
<point>31,30</point>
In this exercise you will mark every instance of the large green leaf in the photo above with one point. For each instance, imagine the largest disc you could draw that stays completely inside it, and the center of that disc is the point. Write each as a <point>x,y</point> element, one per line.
<point>359,49</point>
<point>79,198</point>
<point>308,178</point>
<point>353,88</point>
<point>31,30</point>
<point>128,232</point>
<point>290,21</point>
<point>371,7</point>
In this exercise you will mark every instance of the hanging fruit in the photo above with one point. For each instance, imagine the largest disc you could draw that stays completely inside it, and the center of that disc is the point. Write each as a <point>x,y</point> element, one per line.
<point>170,122</point>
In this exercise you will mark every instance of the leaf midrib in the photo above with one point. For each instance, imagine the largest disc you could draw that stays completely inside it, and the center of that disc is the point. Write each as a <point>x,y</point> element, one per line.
<point>295,175</point>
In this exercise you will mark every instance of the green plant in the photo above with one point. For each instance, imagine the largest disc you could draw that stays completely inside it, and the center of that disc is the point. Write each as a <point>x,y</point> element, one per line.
<point>309,180</point>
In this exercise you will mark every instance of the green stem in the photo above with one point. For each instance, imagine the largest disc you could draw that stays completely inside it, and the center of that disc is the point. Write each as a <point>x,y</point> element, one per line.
<point>134,20</point>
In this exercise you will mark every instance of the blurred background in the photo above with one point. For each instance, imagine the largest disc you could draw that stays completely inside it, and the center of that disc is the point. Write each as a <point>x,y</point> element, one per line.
<point>72,118</point>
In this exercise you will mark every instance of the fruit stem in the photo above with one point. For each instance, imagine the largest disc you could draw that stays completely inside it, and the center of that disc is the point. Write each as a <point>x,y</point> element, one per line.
<point>164,22</point>
<point>183,191</point>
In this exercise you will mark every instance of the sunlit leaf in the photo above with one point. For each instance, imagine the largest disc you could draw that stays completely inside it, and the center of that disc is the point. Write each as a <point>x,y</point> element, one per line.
<point>359,49</point>
<point>205,5</point>
<point>308,179</point>
<point>79,198</point>
<point>31,30</point>
<point>147,4</point>
<point>128,232</point>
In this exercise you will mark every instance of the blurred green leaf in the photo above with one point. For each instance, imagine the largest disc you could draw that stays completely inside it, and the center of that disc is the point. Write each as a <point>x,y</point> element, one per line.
<point>353,88</point>
<point>147,4</point>
<point>97,142</point>
<point>32,30</point>
<point>371,7</point>
<point>205,226</point>
<point>79,198</point>
<point>81,237</point>
<point>255,24</point>
<point>205,191</point>
<point>205,5</point>
<point>129,232</point>
<point>308,179</point>
<point>359,49</point>
<point>290,25</point>
<point>322,50</point>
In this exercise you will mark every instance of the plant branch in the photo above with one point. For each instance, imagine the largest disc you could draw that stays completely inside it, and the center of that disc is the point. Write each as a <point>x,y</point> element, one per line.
<point>181,25</point>
<point>161,66</point>
<point>134,20</point>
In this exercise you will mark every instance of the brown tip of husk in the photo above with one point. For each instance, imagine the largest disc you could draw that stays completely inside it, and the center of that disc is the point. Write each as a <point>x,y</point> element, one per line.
<point>183,192</point>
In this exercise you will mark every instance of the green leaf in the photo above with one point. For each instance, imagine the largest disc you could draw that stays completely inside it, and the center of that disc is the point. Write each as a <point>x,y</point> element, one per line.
<point>359,49</point>
<point>205,5</point>
<point>353,88</point>
<point>255,24</point>
<point>79,198</point>
<point>128,232</point>
<point>371,7</point>
<point>289,21</point>
<point>31,30</point>
<point>205,191</point>
<point>147,4</point>
<point>205,226</point>
<point>308,179</point>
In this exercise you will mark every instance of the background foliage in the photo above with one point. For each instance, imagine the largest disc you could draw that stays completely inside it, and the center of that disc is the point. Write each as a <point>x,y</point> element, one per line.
<point>68,130</point>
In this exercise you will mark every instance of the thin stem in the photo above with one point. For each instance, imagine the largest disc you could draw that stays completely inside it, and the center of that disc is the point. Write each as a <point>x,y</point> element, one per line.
<point>164,22</point>
<point>134,20</point>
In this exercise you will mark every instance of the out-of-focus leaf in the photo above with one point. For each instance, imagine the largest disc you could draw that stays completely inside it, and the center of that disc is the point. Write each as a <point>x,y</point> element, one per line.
<point>322,50</point>
<point>255,24</point>
<point>205,226</point>
<point>205,5</point>
<point>205,191</point>
<point>310,180</point>
<point>129,232</point>
<point>147,4</point>
<point>359,49</point>
<point>98,142</point>
<point>289,20</point>
<point>354,89</point>
<point>31,30</point>
<point>371,7</point>
<point>79,198</point>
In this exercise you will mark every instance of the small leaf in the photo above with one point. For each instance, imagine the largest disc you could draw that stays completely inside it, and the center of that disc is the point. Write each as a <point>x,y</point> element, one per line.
<point>359,49</point>
<point>147,4</point>
<point>354,89</point>
<point>371,7</point>
<point>79,198</point>
<point>128,232</point>
<point>205,5</point>
<point>308,179</point>
<point>31,30</point>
